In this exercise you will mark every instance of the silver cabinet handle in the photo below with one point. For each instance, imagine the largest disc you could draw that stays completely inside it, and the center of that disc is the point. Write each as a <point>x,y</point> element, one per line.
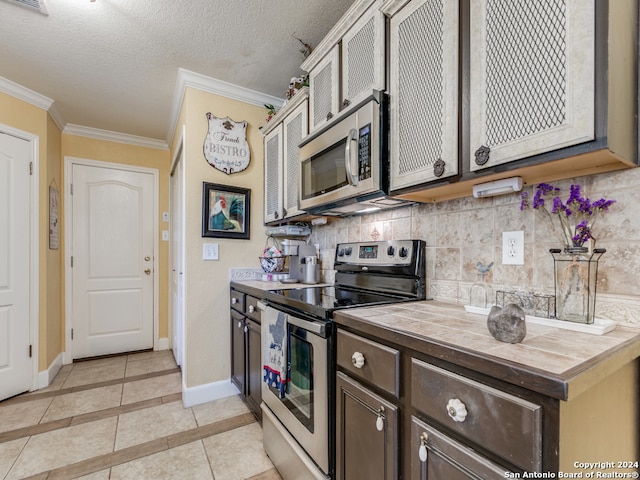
<point>422,451</point>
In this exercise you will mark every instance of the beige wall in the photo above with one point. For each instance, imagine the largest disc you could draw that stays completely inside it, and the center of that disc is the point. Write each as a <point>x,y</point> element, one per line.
<point>106,151</point>
<point>461,232</point>
<point>207,282</point>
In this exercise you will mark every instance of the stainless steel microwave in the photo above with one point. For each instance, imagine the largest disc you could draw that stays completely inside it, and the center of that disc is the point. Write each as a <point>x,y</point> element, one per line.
<point>344,168</point>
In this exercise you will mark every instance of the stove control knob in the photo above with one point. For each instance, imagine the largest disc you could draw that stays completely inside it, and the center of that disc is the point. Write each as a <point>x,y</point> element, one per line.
<point>348,251</point>
<point>357,359</point>
<point>391,250</point>
<point>341,252</point>
<point>404,252</point>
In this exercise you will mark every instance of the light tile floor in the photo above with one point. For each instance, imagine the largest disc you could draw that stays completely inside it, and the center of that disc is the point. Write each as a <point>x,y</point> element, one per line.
<point>122,418</point>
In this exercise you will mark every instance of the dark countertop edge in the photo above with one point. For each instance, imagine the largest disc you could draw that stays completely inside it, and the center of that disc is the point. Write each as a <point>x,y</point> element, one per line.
<point>564,386</point>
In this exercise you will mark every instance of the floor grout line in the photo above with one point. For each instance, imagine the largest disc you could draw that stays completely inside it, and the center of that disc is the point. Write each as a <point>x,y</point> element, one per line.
<point>135,452</point>
<point>82,388</point>
<point>86,417</point>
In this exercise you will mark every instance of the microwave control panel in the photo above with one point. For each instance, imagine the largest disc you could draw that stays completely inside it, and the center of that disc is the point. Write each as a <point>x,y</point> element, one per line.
<point>364,152</point>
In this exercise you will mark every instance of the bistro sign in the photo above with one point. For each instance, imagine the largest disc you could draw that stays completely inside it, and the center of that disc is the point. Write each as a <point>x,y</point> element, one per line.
<point>225,145</point>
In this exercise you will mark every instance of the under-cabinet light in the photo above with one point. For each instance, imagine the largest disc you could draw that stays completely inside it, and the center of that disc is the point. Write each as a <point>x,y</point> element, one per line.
<point>499,187</point>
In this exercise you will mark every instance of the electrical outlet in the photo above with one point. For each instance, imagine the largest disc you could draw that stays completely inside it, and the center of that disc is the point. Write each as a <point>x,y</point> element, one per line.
<point>513,248</point>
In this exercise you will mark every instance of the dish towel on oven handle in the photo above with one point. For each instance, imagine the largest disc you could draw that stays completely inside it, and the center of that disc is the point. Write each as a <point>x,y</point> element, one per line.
<point>274,337</point>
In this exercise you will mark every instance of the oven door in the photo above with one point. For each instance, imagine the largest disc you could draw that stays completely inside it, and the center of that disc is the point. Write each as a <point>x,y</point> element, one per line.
<point>303,409</point>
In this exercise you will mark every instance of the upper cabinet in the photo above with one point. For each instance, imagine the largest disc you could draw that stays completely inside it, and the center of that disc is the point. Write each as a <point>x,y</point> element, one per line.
<point>348,64</point>
<point>532,78</point>
<point>424,99</point>
<point>283,134</point>
<point>486,89</point>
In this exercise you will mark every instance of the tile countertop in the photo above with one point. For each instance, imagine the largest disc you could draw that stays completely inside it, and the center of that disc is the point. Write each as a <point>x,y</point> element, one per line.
<point>263,285</point>
<point>552,361</point>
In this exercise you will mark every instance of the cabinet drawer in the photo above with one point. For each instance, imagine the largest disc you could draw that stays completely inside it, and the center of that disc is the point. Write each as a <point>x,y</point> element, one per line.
<point>381,365</point>
<point>501,423</point>
<point>237,300</point>
<point>251,308</point>
<point>446,458</point>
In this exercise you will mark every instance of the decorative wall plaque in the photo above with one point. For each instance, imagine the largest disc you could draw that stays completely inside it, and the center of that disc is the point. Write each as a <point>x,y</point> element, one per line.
<point>225,145</point>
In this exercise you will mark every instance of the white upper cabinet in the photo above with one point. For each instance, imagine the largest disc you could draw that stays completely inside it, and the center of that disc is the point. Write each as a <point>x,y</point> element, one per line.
<point>363,57</point>
<point>273,179</point>
<point>348,64</point>
<point>424,92</point>
<point>283,134</point>
<point>532,77</point>
<point>295,129</point>
<point>324,80</point>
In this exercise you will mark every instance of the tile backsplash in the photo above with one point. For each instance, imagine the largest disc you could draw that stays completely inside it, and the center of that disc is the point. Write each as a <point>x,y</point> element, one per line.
<point>459,233</point>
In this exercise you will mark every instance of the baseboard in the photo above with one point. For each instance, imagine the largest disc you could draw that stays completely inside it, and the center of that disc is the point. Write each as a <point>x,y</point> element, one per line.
<point>46,376</point>
<point>163,344</point>
<point>207,393</point>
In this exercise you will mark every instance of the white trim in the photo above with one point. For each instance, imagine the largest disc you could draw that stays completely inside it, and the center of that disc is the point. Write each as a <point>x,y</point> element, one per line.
<point>207,393</point>
<point>187,78</point>
<point>46,376</point>
<point>71,129</point>
<point>163,344</point>
<point>69,162</point>
<point>34,273</point>
<point>24,94</point>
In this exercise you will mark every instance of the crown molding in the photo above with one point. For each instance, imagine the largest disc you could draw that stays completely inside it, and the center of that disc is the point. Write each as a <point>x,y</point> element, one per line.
<point>23,93</point>
<point>117,137</point>
<point>187,78</point>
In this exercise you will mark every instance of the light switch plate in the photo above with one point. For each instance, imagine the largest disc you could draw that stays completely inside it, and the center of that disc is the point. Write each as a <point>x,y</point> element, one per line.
<point>210,251</point>
<point>513,248</point>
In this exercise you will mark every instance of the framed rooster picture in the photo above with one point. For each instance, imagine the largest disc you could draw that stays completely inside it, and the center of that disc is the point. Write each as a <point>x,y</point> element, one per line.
<point>225,211</point>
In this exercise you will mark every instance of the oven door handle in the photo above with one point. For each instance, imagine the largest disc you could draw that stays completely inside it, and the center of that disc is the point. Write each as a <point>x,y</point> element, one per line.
<point>312,327</point>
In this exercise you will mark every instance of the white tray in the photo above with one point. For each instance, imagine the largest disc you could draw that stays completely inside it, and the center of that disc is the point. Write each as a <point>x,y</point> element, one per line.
<point>598,327</point>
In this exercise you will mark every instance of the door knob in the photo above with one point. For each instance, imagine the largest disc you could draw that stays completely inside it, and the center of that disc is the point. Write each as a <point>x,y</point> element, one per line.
<point>147,258</point>
<point>147,271</point>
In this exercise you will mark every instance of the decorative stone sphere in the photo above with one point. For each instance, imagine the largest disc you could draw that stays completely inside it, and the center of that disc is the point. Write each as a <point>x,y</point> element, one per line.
<point>507,324</point>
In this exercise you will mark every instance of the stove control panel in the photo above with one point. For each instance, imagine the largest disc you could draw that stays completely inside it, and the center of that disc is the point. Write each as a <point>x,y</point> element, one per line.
<point>394,252</point>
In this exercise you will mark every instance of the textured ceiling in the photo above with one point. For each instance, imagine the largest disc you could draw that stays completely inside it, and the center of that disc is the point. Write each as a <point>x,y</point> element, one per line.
<point>113,64</point>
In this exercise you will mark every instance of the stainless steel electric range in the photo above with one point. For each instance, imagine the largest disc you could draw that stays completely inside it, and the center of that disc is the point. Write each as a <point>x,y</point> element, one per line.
<point>298,392</point>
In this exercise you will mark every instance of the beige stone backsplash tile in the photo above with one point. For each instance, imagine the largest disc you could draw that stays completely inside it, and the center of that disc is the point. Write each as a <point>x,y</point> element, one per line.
<point>618,268</point>
<point>470,256</point>
<point>447,263</point>
<point>448,229</point>
<point>476,227</point>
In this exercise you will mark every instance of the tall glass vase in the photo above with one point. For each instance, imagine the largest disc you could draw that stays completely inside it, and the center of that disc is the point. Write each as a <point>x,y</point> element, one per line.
<point>576,271</point>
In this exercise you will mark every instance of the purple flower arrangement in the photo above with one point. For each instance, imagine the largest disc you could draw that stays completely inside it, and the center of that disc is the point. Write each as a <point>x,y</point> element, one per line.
<point>576,216</point>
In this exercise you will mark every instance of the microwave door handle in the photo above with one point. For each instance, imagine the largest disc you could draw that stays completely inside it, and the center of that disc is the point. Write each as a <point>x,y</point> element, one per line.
<point>351,178</point>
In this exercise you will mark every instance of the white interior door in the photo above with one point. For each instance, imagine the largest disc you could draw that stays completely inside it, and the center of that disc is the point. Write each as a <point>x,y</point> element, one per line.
<point>177,256</point>
<point>112,260</point>
<point>15,362</point>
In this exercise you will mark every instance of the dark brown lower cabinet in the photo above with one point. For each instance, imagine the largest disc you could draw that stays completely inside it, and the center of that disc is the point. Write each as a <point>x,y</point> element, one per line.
<point>366,433</point>
<point>435,456</point>
<point>246,349</point>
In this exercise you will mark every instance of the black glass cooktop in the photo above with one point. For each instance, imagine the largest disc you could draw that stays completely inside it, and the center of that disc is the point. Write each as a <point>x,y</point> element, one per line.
<point>323,300</point>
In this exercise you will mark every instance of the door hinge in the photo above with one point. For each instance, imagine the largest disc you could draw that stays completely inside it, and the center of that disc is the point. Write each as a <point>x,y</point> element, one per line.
<point>71,189</point>
<point>72,334</point>
<point>30,351</point>
<point>72,261</point>
<point>30,168</point>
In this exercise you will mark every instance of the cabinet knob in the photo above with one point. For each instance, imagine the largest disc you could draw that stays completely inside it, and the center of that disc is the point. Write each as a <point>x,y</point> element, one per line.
<point>357,359</point>
<point>456,410</point>
<point>346,102</point>
<point>329,116</point>
<point>252,309</point>
<point>246,329</point>
<point>234,301</point>
<point>380,419</point>
<point>422,451</point>
<point>239,324</point>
